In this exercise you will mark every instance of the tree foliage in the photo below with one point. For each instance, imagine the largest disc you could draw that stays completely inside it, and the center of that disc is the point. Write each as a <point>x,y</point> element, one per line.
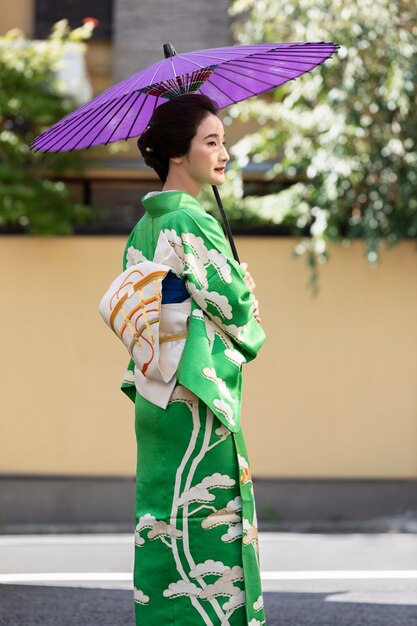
<point>31,99</point>
<point>344,135</point>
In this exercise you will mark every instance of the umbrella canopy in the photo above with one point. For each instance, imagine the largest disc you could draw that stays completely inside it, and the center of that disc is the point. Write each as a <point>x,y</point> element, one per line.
<point>227,75</point>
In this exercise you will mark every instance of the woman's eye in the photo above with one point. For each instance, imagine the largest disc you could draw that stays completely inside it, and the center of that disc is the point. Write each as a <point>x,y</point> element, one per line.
<point>212,143</point>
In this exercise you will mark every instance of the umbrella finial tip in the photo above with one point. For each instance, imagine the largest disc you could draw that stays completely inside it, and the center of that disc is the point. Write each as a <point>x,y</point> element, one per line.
<point>169,50</point>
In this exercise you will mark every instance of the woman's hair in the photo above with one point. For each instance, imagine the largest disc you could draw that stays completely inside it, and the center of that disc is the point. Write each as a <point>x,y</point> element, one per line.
<point>171,129</point>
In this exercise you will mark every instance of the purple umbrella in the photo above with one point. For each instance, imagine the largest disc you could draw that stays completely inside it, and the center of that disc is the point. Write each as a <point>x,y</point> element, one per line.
<point>227,75</point>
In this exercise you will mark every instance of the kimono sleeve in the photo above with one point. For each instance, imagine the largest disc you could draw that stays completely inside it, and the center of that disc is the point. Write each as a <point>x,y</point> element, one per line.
<point>215,280</point>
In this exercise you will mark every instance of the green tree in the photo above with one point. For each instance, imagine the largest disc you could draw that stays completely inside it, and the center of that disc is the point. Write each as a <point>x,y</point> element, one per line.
<point>343,136</point>
<point>31,100</point>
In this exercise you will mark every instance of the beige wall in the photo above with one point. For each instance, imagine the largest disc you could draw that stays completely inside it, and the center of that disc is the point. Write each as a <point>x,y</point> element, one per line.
<point>332,394</point>
<point>17,14</point>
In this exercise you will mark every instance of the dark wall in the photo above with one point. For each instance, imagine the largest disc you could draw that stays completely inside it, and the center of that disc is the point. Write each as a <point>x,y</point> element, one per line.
<point>47,12</point>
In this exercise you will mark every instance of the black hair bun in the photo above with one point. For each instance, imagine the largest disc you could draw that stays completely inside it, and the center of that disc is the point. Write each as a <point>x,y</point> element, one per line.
<point>171,129</point>
<point>151,158</point>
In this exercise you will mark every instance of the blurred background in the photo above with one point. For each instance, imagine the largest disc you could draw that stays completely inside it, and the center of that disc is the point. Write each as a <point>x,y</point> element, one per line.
<point>321,192</point>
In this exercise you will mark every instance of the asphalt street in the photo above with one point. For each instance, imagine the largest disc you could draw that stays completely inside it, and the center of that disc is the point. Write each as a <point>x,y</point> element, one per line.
<point>308,579</point>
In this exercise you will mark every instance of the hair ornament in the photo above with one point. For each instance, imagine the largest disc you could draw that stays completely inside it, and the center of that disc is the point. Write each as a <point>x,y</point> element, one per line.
<point>148,149</point>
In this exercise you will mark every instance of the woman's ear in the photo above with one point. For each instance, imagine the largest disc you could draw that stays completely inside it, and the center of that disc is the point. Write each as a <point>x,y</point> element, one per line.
<point>177,160</point>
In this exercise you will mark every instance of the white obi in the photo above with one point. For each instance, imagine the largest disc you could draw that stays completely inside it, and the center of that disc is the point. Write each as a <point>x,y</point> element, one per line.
<point>153,333</point>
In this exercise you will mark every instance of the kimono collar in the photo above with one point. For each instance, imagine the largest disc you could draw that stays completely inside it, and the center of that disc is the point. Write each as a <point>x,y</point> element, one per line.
<point>167,201</point>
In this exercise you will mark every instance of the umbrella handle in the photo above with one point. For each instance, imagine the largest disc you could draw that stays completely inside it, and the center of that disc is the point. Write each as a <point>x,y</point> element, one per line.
<point>226,223</point>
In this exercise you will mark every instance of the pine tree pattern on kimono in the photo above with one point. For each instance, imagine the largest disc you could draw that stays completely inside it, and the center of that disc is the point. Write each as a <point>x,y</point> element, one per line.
<point>196,539</point>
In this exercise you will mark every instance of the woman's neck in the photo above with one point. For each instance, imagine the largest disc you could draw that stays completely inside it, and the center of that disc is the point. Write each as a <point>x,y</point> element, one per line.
<point>174,183</point>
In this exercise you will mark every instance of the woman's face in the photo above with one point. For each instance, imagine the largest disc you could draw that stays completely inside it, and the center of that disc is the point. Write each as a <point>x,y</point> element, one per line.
<point>206,159</point>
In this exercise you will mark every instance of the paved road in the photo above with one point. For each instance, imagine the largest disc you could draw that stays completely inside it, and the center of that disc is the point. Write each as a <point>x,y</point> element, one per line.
<point>308,579</point>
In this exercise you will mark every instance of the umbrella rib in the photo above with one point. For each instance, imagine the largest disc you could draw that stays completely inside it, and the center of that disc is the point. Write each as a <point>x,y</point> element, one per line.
<point>137,95</point>
<point>79,130</point>
<point>212,56</point>
<point>297,69</point>
<point>209,56</point>
<point>292,54</point>
<point>194,62</point>
<point>51,132</point>
<point>223,92</point>
<point>173,67</point>
<point>55,130</point>
<point>104,98</point>
<point>298,61</point>
<point>47,136</point>
<point>157,69</point>
<point>83,123</point>
<point>137,114</point>
<point>101,129</point>
<point>293,58</point>
<point>258,80</point>
<point>152,80</point>
<point>275,50</point>
<point>78,123</point>
<point>269,49</point>
<point>240,51</point>
<point>301,44</point>
<point>264,71</point>
<point>251,61</point>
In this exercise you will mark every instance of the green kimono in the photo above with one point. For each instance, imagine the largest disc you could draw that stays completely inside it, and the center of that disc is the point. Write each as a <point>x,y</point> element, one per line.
<point>196,539</point>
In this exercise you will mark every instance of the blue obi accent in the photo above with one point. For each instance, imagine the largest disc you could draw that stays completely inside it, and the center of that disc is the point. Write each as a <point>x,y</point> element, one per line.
<point>173,289</point>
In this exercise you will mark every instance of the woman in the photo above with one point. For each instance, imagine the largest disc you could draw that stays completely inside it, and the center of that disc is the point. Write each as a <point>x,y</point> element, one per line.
<point>196,547</point>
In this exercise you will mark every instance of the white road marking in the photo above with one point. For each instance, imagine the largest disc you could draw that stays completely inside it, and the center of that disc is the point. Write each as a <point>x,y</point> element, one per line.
<point>266,575</point>
<point>65,576</point>
<point>340,574</point>
<point>20,540</point>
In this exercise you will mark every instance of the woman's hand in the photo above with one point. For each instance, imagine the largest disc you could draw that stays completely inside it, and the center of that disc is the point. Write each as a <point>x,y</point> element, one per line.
<point>248,278</point>
<point>251,284</point>
<point>256,311</point>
